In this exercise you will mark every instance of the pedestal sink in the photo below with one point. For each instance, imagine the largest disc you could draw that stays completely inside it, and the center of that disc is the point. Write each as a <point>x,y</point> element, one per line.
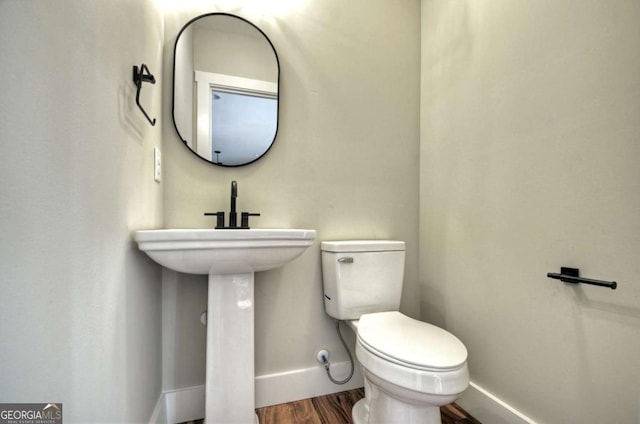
<point>230,258</point>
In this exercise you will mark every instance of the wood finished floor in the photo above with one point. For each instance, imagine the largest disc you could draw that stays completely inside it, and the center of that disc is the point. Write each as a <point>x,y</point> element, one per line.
<point>336,409</point>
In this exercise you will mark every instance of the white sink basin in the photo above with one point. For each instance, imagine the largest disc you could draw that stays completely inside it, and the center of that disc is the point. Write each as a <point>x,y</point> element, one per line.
<point>230,258</point>
<point>209,251</point>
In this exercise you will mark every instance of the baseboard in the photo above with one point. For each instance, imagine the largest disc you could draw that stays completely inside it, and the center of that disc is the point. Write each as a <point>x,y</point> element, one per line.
<point>177,406</point>
<point>273,389</point>
<point>180,405</point>
<point>488,408</point>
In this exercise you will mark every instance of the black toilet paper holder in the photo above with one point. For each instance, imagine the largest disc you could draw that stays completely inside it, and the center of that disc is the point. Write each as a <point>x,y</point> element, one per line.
<point>572,275</point>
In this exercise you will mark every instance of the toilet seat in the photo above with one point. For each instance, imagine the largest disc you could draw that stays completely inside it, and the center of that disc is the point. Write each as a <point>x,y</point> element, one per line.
<point>415,357</point>
<point>407,342</point>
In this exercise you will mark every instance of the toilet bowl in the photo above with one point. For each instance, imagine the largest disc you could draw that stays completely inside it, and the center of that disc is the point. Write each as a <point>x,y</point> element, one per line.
<point>410,367</point>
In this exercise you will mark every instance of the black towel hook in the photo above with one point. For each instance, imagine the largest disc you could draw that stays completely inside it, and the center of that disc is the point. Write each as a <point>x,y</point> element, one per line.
<point>141,75</point>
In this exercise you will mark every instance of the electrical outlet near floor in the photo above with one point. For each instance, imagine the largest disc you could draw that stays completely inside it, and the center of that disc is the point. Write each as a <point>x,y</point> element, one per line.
<point>322,355</point>
<point>157,165</point>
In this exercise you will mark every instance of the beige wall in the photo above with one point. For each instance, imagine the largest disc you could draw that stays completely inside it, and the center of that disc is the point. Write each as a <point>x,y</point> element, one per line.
<point>183,102</point>
<point>80,305</point>
<point>530,160</point>
<point>345,163</point>
<point>231,52</point>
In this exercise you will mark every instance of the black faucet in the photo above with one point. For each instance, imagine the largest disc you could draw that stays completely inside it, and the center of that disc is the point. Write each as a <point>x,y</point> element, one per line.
<point>233,215</point>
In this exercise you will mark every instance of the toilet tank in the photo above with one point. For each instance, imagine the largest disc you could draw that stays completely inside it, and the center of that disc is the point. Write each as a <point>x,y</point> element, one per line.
<point>361,277</point>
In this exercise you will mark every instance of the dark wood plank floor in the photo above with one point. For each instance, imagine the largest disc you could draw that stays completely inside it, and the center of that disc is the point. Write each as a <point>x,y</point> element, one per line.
<point>336,409</point>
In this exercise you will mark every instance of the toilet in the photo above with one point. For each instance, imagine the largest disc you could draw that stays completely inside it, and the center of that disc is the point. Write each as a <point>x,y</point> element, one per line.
<point>410,367</point>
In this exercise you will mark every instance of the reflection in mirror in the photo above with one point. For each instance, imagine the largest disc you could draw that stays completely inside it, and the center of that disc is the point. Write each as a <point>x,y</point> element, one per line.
<point>225,89</point>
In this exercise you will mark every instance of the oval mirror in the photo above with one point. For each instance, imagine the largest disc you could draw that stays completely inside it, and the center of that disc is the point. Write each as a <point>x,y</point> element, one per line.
<point>225,89</point>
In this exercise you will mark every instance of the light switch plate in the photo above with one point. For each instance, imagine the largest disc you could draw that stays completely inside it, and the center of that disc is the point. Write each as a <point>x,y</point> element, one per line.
<point>157,164</point>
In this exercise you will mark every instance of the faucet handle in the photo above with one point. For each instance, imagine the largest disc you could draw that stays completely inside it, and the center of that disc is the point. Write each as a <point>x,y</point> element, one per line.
<point>244,219</point>
<point>219,218</point>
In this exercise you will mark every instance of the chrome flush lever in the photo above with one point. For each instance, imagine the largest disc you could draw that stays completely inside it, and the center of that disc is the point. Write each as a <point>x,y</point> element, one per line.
<point>346,260</point>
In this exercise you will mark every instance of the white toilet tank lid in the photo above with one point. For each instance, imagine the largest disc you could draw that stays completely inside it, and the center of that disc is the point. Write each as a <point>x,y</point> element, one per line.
<point>362,246</point>
<point>412,342</point>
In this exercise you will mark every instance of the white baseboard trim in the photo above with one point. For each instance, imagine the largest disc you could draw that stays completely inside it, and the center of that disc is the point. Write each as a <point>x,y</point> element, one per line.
<point>305,383</point>
<point>488,408</point>
<point>176,406</point>
<point>180,405</point>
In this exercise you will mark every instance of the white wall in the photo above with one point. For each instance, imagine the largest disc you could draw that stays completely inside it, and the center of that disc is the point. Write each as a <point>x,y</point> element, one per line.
<point>345,163</point>
<point>80,306</point>
<point>530,160</point>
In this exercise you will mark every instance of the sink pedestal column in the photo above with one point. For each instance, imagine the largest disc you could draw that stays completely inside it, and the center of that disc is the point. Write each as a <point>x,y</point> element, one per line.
<point>230,382</point>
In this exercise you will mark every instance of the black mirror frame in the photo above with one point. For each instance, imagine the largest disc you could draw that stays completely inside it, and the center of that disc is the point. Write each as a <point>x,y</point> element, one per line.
<point>173,90</point>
